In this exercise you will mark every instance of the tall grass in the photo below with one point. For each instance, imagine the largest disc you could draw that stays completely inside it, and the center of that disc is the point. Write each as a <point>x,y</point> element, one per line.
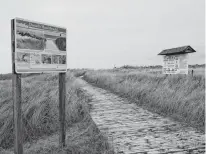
<point>41,114</point>
<point>180,97</point>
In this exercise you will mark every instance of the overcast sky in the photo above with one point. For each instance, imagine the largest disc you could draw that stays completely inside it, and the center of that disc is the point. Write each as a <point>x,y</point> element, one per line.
<point>104,33</point>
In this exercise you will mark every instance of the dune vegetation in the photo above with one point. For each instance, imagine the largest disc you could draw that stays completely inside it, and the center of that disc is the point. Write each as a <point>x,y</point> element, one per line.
<point>41,118</point>
<point>180,97</point>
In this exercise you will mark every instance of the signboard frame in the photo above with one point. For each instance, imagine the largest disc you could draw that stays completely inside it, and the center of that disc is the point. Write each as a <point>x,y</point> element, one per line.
<point>39,69</point>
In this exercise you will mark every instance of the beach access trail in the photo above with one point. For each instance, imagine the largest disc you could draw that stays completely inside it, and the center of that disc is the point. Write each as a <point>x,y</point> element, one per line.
<point>133,130</point>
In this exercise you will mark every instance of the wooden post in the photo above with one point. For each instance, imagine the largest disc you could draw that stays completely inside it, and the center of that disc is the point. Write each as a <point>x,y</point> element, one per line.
<point>16,93</point>
<point>62,99</point>
<point>17,113</point>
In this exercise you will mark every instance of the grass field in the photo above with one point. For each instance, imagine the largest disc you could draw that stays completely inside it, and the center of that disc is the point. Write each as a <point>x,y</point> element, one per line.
<point>181,97</point>
<point>41,118</point>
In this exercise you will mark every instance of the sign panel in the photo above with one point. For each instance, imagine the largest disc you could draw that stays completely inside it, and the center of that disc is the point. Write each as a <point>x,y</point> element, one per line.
<point>39,47</point>
<point>175,64</point>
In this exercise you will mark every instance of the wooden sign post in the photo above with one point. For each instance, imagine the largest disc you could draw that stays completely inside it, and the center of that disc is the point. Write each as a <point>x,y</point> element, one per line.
<point>17,113</point>
<point>62,99</point>
<point>16,93</point>
<point>49,55</point>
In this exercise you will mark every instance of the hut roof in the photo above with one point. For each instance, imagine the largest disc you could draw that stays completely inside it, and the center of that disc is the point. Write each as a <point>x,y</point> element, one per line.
<point>178,50</point>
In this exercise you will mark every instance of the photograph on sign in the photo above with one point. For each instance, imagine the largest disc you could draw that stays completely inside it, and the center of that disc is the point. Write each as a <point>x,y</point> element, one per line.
<point>62,59</point>
<point>35,58</point>
<point>23,57</point>
<point>55,59</point>
<point>39,46</point>
<point>46,59</point>
<point>30,39</point>
<point>55,42</point>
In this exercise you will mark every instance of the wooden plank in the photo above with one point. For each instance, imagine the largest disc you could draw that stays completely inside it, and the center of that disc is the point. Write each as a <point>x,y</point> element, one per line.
<point>16,93</point>
<point>62,99</point>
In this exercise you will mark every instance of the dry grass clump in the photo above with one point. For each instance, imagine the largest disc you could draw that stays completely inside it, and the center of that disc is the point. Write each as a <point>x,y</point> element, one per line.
<point>41,116</point>
<point>82,138</point>
<point>178,96</point>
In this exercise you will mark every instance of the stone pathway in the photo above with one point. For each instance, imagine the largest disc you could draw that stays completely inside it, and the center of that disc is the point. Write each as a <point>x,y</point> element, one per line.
<point>135,130</point>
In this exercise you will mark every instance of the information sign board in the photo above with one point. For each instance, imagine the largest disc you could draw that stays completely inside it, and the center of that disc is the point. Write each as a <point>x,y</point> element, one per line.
<point>175,64</point>
<point>39,47</point>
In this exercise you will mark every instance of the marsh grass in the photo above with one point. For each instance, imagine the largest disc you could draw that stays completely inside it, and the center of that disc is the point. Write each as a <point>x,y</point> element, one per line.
<point>41,117</point>
<point>180,97</point>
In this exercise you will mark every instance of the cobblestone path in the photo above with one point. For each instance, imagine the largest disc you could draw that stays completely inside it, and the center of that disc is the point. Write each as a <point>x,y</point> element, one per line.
<point>135,130</point>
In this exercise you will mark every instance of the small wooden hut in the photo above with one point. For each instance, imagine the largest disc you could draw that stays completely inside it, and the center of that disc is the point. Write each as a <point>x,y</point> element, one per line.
<point>175,60</point>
